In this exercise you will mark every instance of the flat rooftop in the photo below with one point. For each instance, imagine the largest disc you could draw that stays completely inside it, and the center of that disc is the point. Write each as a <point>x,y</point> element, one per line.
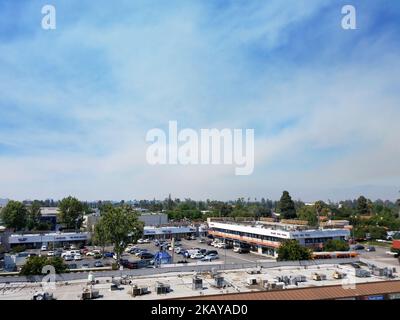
<point>181,284</point>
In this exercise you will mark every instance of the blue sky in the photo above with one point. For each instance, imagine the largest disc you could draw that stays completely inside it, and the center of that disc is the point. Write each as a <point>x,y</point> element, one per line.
<point>76,102</point>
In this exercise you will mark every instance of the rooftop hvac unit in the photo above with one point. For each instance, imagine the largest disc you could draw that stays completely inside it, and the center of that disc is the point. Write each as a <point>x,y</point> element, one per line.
<point>162,288</point>
<point>264,283</point>
<point>275,286</point>
<point>280,286</point>
<point>139,291</point>
<point>251,281</point>
<point>219,281</point>
<point>378,272</point>
<point>197,283</point>
<point>361,273</point>
<point>300,278</point>
<point>318,276</point>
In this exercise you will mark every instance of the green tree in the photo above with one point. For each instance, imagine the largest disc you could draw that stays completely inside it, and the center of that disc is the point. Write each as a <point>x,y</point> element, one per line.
<point>14,215</point>
<point>308,213</point>
<point>362,206</point>
<point>286,206</point>
<point>34,265</point>
<point>291,250</point>
<point>120,225</point>
<point>71,212</point>
<point>100,236</point>
<point>336,245</point>
<point>34,215</point>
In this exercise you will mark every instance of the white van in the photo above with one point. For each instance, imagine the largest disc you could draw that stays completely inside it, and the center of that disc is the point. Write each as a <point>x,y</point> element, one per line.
<point>193,251</point>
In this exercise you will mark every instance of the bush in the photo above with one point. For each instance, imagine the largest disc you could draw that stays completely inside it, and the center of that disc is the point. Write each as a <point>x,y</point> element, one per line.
<point>291,250</point>
<point>34,265</point>
<point>336,245</point>
<point>18,249</point>
<point>114,266</point>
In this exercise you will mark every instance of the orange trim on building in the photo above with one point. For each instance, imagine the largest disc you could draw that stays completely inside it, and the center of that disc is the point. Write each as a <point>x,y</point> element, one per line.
<point>245,239</point>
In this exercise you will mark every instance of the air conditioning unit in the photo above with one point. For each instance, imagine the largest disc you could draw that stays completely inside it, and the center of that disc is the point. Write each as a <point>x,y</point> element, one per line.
<point>251,281</point>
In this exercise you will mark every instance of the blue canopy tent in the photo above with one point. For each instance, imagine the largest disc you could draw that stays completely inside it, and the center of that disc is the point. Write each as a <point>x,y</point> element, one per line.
<point>162,257</point>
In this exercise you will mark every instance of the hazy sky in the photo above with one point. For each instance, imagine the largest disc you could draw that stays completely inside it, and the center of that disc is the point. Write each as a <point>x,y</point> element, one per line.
<point>76,102</point>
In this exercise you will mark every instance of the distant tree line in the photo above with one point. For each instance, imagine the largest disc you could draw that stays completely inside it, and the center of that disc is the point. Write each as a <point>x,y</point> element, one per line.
<point>24,216</point>
<point>369,218</point>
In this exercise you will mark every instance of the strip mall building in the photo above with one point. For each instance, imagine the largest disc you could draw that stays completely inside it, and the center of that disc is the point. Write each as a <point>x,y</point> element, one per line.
<point>266,237</point>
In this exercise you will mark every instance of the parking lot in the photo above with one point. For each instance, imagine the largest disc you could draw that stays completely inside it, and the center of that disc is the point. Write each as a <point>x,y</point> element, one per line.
<point>225,255</point>
<point>380,256</point>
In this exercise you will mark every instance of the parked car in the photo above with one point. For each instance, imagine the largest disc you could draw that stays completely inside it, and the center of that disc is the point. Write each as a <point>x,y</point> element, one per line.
<point>146,255</point>
<point>215,243</point>
<point>211,252</point>
<point>98,264</point>
<point>72,266</point>
<point>50,253</point>
<point>133,250</point>
<point>202,241</point>
<point>140,251</point>
<point>68,257</point>
<point>178,250</point>
<point>241,249</point>
<point>73,247</point>
<point>197,255</point>
<point>75,252</point>
<point>146,240</point>
<point>209,242</point>
<point>358,247</point>
<point>85,266</point>
<point>77,257</point>
<point>93,253</point>
<point>43,248</point>
<point>58,252</point>
<point>108,254</point>
<point>210,257</point>
<point>391,253</point>
<point>140,241</point>
<point>129,248</point>
<point>371,249</point>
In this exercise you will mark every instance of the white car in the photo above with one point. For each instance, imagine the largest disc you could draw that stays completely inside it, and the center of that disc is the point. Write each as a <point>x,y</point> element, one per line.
<point>93,252</point>
<point>67,253</point>
<point>74,252</point>
<point>50,254</point>
<point>146,240</point>
<point>140,241</point>
<point>43,248</point>
<point>68,257</point>
<point>215,243</point>
<point>197,255</point>
<point>130,247</point>
<point>178,250</point>
<point>77,257</point>
<point>391,253</point>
